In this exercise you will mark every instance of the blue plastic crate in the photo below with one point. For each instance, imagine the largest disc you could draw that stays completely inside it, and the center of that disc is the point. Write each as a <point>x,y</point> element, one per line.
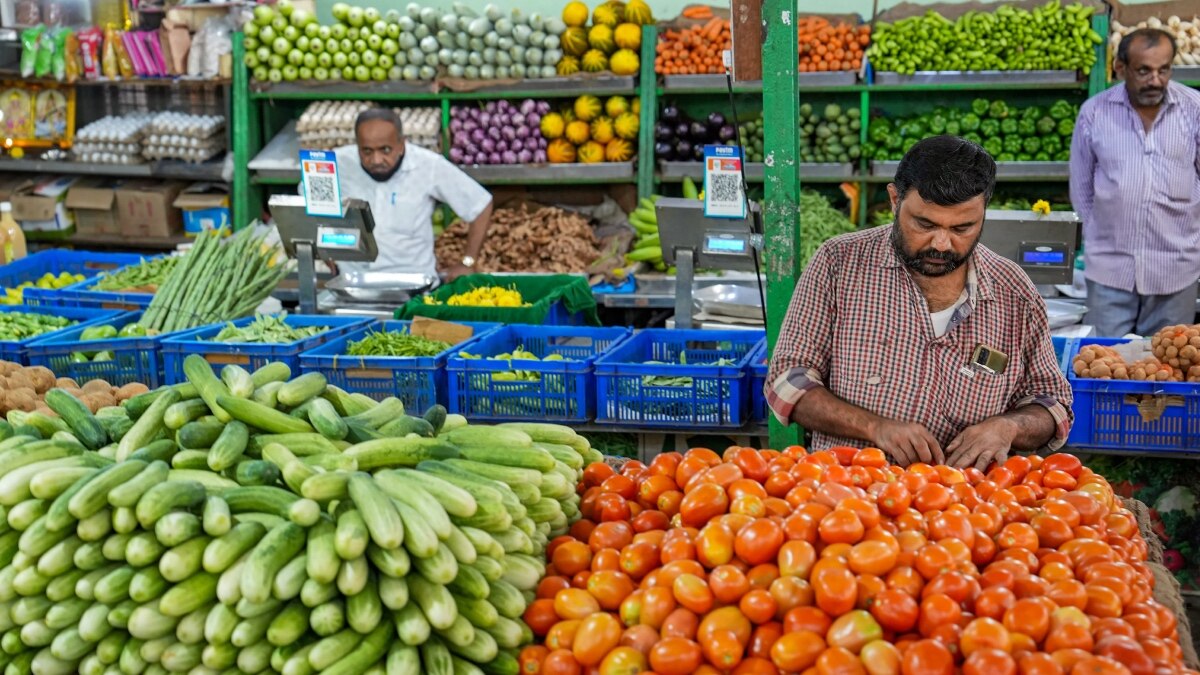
<point>83,294</point>
<point>134,359</point>
<point>250,356</point>
<point>716,397</point>
<point>419,382</point>
<point>563,391</point>
<point>1060,347</point>
<point>57,261</point>
<point>17,351</point>
<point>1107,414</point>
<point>758,380</point>
<point>559,316</point>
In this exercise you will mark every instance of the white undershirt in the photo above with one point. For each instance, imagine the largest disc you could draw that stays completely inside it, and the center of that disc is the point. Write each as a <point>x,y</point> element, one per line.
<point>941,320</point>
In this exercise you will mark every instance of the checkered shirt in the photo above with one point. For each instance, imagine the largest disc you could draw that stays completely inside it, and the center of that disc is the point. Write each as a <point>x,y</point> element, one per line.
<point>859,325</point>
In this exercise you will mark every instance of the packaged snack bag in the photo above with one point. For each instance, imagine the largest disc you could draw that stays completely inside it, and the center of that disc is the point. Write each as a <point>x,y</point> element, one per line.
<point>30,37</point>
<point>91,43</point>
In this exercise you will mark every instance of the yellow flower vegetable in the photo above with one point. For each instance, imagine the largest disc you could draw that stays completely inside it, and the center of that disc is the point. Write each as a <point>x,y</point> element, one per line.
<point>489,296</point>
<point>1041,206</point>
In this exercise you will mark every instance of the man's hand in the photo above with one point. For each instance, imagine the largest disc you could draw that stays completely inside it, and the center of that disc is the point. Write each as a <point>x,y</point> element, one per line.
<point>981,444</point>
<point>457,271</point>
<point>907,443</point>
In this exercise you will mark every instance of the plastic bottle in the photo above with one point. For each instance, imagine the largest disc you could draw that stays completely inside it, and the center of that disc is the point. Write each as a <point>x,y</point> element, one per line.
<point>13,241</point>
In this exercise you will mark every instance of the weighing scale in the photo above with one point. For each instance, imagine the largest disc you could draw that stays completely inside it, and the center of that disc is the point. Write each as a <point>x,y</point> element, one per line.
<point>350,238</point>
<point>1043,245</point>
<point>690,240</point>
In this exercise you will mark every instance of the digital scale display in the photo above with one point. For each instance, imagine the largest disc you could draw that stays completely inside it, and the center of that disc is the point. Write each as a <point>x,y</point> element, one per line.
<point>337,239</point>
<point>1044,257</point>
<point>724,245</point>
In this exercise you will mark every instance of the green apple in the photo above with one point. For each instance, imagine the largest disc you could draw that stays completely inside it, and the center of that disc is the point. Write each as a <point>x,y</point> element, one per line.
<point>324,32</point>
<point>250,28</point>
<point>261,73</point>
<point>339,11</point>
<point>320,74</point>
<point>379,28</point>
<point>316,46</point>
<point>290,73</point>
<point>362,74</point>
<point>291,33</point>
<point>355,17</point>
<point>279,23</point>
<point>353,59</point>
<point>250,44</point>
<point>360,45</point>
<point>374,42</point>
<point>285,7</point>
<point>263,14</point>
<point>251,60</point>
<point>390,47</point>
<point>333,46</point>
<point>337,31</point>
<point>348,73</point>
<point>275,75</point>
<point>263,53</point>
<point>393,31</point>
<point>301,18</point>
<point>276,61</point>
<point>324,60</point>
<point>370,59</point>
<point>386,61</point>
<point>379,74</point>
<point>281,45</point>
<point>346,45</point>
<point>306,73</point>
<point>340,60</point>
<point>267,35</point>
<point>312,30</point>
<point>371,15</point>
<point>309,61</point>
<point>302,43</point>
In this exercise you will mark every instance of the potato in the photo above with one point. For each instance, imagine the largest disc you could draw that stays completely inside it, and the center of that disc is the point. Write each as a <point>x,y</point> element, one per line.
<point>42,378</point>
<point>97,386</point>
<point>66,383</point>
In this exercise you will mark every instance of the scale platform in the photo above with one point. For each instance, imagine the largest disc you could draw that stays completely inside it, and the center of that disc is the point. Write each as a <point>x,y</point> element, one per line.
<point>1044,245</point>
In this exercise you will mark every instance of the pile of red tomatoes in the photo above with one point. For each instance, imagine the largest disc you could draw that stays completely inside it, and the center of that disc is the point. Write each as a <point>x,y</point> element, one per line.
<point>763,562</point>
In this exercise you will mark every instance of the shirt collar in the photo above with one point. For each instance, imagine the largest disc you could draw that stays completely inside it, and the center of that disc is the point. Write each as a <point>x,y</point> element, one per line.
<point>1123,97</point>
<point>979,282</point>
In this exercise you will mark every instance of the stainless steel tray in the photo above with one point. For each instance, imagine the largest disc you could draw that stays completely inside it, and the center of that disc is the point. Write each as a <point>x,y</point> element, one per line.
<point>386,287</point>
<point>729,300</point>
<point>978,77</point>
<point>281,157</point>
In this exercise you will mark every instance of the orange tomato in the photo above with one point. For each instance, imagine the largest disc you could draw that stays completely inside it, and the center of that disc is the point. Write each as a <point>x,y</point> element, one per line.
<point>596,636</point>
<point>796,651</point>
<point>675,656</point>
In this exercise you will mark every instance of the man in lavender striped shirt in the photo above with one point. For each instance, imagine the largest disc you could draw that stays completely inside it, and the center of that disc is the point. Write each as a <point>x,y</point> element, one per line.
<point>1135,182</point>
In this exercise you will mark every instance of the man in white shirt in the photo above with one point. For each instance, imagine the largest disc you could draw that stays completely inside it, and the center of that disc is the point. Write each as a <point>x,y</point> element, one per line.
<point>403,184</point>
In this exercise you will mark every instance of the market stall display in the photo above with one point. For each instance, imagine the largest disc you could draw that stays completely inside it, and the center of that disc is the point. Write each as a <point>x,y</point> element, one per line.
<point>983,41</point>
<point>693,50</point>
<point>24,391</point>
<point>15,295</point>
<point>826,46</point>
<point>156,552</point>
<point>610,42</point>
<point>591,130</point>
<point>191,138</point>
<point>527,239</point>
<point>498,132</point>
<point>145,276</point>
<point>1172,355</point>
<point>761,561</point>
<point>1186,31</point>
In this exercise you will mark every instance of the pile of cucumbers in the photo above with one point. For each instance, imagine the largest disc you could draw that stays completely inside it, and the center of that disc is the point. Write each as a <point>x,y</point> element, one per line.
<point>251,523</point>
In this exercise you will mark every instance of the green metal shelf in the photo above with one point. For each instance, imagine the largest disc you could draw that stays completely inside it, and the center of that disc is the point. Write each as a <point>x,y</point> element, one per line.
<point>339,90</point>
<point>977,86</point>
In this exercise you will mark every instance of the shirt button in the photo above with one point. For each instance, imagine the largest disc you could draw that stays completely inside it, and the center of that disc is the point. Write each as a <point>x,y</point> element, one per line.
<point>874,380</point>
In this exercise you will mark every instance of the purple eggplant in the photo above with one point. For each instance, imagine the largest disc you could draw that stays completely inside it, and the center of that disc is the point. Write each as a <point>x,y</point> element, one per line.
<point>698,153</point>
<point>715,122</point>
<point>683,149</point>
<point>727,133</point>
<point>698,132</point>
<point>670,114</point>
<point>663,150</point>
<point>663,132</point>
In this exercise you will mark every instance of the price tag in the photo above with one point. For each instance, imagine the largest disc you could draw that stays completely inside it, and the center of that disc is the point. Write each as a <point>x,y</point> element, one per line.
<point>723,195</point>
<point>322,191</point>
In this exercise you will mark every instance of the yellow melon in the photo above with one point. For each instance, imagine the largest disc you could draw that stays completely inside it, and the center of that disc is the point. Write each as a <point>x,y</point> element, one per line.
<point>637,11</point>
<point>619,7</point>
<point>605,15</point>
<point>574,41</point>
<point>560,152</point>
<point>575,14</point>
<point>616,105</point>
<point>591,153</point>
<point>625,62</point>
<point>636,106</point>
<point>626,126</point>
<point>567,65</point>
<point>587,108</point>
<point>618,150</point>
<point>601,37</point>
<point>628,36</point>
<point>594,61</point>
<point>568,114</point>
<point>553,126</point>
<point>602,130</point>
<point>578,132</point>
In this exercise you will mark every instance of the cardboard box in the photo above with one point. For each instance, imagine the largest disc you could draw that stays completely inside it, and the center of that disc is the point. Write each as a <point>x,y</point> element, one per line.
<point>205,206</point>
<point>9,184</point>
<point>94,203</point>
<point>40,205</point>
<point>145,209</point>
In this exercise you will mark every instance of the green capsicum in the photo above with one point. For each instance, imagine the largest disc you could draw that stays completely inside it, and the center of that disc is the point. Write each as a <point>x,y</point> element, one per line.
<point>1042,156</point>
<point>994,146</point>
<point>1063,155</point>
<point>1066,127</point>
<point>1026,128</point>
<point>980,106</point>
<point>881,128</point>
<point>1052,144</point>
<point>998,110</point>
<point>1008,126</point>
<point>953,127</point>
<point>1013,144</point>
<point>1031,144</point>
<point>1062,110</point>
<point>132,330</point>
<point>98,333</point>
<point>937,125</point>
<point>973,137</point>
<point>1032,113</point>
<point>970,122</point>
<point>1045,125</point>
<point>989,128</point>
<point>909,143</point>
<point>1006,157</point>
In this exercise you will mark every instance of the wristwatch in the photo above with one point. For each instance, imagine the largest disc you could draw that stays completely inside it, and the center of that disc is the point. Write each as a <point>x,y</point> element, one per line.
<point>468,261</point>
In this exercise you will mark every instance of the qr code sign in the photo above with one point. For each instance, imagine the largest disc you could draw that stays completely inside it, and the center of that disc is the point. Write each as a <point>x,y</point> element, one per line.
<point>725,187</point>
<point>321,189</point>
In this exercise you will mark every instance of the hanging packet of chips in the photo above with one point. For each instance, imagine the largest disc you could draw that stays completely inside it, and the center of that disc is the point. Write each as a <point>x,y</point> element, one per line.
<point>45,55</point>
<point>124,63</point>
<point>58,63</point>
<point>91,44</point>
<point>30,37</point>
<point>72,61</point>
<point>108,62</point>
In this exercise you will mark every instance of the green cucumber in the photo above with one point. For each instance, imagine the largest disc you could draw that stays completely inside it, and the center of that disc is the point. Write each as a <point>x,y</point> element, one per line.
<point>229,446</point>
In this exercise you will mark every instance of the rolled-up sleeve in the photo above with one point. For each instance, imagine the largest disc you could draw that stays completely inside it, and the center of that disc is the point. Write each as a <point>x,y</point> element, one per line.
<point>800,360</point>
<point>1044,383</point>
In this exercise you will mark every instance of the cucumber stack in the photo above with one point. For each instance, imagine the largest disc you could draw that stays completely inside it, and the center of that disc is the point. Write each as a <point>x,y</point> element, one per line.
<point>251,522</point>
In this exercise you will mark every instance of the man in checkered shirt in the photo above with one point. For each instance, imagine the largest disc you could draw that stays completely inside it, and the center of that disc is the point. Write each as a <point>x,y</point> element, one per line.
<point>877,346</point>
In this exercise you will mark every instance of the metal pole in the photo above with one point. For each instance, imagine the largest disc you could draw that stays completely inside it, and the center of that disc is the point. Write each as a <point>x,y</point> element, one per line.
<point>781,217</point>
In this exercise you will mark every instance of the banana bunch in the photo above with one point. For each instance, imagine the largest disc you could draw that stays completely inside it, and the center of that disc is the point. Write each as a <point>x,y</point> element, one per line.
<point>646,248</point>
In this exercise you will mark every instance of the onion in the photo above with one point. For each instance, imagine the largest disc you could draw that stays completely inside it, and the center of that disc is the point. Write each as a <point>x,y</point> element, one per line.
<point>523,132</point>
<point>461,139</point>
<point>478,135</point>
<point>485,119</point>
<point>481,158</point>
<point>517,119</point>
<point>516,145</point>
<point>456,155</point>
<point>508,132</point>
<point>543,107</point>
<point>534,120</point>
<point>510,157</point>
<point>542,143</point>
<point>490,107</point>
<point>528,105</point>
<point>493,133</point>
<point>456,124</point>
<point>539,157</point>
<point>488,145</point>
<point>502,146</point>
<point>524,156</point>
<point>494,158</point>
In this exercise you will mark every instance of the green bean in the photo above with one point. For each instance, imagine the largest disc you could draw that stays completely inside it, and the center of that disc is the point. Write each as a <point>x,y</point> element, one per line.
<point>146,273</point>
<point>396,343</point>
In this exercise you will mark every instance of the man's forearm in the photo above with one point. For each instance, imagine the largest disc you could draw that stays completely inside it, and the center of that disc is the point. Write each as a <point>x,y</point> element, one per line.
<point>477,232</point>
<point>1033,427</point>
<point>820,410</point>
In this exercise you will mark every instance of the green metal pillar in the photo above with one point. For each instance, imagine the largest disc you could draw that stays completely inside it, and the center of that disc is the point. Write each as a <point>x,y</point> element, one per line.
<point>648,94</point>
<point>1098,78</point>
<point>781,212</point>
<point>247,141</point>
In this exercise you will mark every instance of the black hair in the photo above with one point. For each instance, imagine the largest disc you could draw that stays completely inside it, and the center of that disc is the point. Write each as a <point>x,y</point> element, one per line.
<point>1150,37</point>
<point>946,170</point>
<point>381,114</point>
